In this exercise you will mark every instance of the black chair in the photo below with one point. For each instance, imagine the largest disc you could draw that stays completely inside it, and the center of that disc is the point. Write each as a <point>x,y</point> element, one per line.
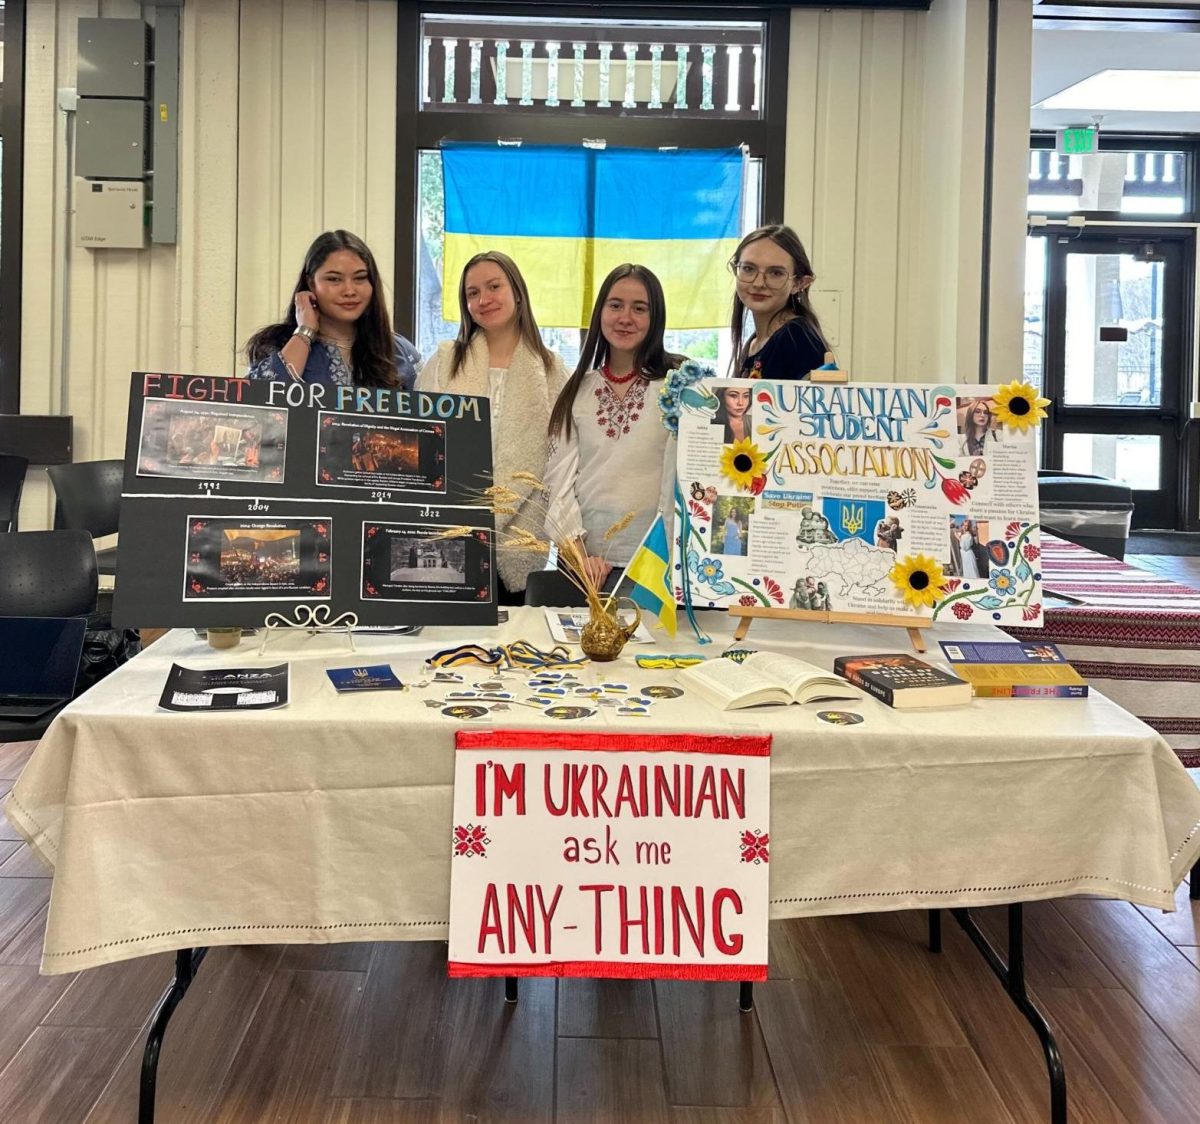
<point>45,574</point>
<point>88,496</point>
<point>12,480</point>
<point>553,588</point>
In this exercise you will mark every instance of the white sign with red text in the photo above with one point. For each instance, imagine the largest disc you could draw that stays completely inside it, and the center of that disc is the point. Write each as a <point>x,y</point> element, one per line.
<point>615,855</point>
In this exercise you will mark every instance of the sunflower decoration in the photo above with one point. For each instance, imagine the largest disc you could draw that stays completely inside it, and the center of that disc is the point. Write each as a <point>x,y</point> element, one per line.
<point>1018,405</point>
<point>741,463</point>
<point>919,579</point>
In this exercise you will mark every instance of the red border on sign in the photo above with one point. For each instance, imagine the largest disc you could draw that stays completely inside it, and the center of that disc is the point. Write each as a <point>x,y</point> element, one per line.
<point>742,746</point>
<point>612,970</point>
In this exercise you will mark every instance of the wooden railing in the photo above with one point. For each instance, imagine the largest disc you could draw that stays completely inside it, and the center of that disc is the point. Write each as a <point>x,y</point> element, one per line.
<point>703,72</point>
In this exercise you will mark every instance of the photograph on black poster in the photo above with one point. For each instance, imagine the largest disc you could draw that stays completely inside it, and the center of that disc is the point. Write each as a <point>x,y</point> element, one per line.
<point>377,451</point>
<point>413,562</point>
<point>212,441</point>
<point>243,559</point>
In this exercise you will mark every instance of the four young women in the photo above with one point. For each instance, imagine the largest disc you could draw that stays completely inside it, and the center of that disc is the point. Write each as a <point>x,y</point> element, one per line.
<point>596,438</point>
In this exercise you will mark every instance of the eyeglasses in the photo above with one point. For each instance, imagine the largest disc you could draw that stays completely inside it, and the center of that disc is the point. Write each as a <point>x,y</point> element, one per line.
<point>774,276</point>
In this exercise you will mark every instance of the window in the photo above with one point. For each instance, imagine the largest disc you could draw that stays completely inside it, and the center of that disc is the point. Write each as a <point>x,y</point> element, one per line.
<point>566,77</point>
<point>1152,183</point>
<point>712,344</point>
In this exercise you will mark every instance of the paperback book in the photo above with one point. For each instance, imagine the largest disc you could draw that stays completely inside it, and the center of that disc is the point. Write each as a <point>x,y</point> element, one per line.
<point>761,679</point>
<point>1012,670</point>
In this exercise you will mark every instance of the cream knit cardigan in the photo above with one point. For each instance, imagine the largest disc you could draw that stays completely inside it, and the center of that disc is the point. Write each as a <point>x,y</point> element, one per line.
<point>522,433</point>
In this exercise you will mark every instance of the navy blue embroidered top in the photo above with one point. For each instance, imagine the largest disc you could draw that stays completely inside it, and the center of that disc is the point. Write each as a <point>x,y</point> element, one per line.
<point>790,353</point>
<point>326,365</point>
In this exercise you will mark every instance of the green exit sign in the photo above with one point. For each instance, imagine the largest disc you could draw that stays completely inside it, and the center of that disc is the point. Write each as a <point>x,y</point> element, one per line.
<point>1076,142</point>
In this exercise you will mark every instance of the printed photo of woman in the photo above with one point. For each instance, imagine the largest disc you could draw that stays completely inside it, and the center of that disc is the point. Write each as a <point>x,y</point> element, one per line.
<point>734,413</point>
<point>977,426</point>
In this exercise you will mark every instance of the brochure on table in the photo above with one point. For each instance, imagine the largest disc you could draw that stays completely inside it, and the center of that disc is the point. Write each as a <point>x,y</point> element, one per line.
<point>899,499</point>
<point>244,498</point>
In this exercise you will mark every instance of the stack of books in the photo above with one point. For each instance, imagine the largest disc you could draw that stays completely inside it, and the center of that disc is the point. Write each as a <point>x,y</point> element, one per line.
<point>1015,670</point>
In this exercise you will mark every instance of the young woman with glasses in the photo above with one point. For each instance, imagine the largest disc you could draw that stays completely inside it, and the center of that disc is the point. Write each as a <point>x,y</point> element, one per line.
<point>773,278</point>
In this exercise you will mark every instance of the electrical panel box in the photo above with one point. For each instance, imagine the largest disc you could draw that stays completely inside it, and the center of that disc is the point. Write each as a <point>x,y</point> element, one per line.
<point>110,139</point>
<point>110,214</point>
<point>112,58</point>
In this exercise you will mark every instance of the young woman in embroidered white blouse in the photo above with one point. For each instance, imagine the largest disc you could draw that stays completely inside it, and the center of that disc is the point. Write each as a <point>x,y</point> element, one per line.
<point>499,355</point>
<point>609,450</point>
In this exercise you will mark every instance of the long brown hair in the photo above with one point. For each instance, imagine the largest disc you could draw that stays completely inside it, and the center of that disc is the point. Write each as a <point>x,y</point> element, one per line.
<point>651,358</point>
<point>798,306</point>
<point>526,324</point>
<point>373,354</point>
<point>969,426</point>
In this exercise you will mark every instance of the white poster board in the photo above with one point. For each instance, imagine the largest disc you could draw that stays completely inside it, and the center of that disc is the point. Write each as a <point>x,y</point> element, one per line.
<point>900,499</point>
<point>610,855</point>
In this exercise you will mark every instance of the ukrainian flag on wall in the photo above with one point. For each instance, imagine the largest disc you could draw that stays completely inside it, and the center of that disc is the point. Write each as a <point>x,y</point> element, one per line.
<point>568,214</point>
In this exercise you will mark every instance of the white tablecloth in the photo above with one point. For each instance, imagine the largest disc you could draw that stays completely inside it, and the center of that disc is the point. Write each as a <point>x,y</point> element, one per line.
<point>329,820</point>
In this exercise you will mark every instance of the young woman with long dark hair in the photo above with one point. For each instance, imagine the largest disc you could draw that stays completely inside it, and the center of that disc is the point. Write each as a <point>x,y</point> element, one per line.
<point>336,327</point>
<point>773,279</point>
<point>499,355</point>
<point>610,453</point>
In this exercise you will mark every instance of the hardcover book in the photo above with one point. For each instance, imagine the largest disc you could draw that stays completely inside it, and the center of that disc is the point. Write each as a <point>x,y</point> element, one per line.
<point>903,681</point>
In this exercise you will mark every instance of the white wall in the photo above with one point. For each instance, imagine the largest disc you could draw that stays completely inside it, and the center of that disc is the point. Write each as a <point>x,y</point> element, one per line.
<point>286,123</point>
<point>885,184</point>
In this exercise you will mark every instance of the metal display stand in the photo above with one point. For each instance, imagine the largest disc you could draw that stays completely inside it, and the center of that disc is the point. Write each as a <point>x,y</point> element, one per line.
<point>310,619</point>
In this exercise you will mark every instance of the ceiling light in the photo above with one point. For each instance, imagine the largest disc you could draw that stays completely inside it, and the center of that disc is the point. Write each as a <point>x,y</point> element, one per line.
<point>1153,91</point>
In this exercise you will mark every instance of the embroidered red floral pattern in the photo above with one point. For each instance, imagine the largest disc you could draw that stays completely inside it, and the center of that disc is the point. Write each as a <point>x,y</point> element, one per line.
<point>615,415</point>
<point>755,847</point>
<point>470,841</point>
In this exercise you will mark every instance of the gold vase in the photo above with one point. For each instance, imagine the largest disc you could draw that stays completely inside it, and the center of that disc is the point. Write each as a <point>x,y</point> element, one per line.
<point>603,637</point>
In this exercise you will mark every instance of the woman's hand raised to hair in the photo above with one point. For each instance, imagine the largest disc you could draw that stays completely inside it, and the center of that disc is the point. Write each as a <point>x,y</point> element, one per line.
<point>597,569</point>
<point>306,311</point>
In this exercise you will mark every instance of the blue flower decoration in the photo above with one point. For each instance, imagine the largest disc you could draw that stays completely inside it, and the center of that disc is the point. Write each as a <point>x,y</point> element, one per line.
<point>676,383</point>
<point>1002,581</point>
<point>710,571</point>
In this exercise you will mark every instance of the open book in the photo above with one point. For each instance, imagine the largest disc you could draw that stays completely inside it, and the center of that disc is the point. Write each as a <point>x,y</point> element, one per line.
<point>763,678</point>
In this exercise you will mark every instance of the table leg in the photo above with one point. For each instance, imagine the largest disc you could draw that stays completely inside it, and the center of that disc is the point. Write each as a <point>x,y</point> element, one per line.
<point>187,961</point>
<point>1194,881</point>
<point>1012,976</point>
<point>935,930</point>
<point>510,989</point>
<point>746,996</point>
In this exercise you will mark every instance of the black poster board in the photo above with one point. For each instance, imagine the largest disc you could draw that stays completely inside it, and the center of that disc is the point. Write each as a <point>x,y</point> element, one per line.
<point>246,497</point>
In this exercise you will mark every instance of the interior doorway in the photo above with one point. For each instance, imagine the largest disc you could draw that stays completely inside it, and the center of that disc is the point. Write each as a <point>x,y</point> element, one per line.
<point>1114,345</point>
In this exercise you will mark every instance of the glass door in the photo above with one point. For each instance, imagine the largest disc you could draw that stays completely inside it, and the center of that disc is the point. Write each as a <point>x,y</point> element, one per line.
<point>1113,355</point>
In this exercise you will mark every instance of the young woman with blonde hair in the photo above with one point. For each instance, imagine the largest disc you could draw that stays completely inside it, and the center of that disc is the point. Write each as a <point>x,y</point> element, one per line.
<point>499,355</point>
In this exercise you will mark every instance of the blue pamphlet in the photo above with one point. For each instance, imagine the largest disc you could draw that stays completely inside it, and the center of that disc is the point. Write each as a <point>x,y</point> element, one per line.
<point>378,677</point>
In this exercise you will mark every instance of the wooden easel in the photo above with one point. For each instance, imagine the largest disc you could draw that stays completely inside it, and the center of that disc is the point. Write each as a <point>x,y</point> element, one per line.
<point>747,613</point>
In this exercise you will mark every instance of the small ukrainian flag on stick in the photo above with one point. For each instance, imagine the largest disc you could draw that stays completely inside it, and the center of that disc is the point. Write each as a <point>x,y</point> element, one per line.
<point>650,572</point>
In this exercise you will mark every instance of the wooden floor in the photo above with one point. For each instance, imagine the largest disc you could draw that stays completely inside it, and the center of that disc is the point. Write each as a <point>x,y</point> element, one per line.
<point>858,1023</point>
